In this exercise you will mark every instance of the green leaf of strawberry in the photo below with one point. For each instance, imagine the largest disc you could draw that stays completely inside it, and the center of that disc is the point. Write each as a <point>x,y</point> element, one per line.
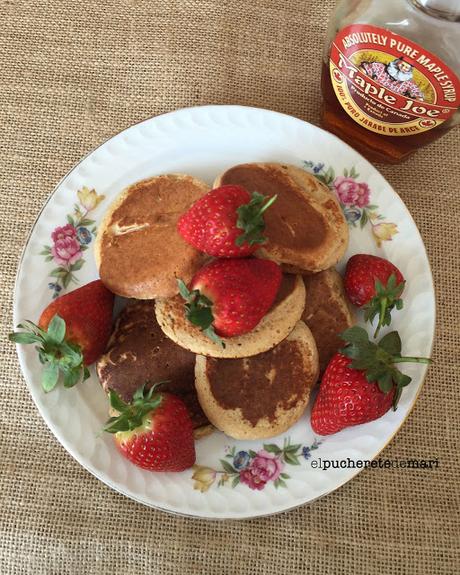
<point>72,332</point>
<point>117,403</point>
<point>24,337</point>
<point>363,389</point>
<point>58,356</point>
<point>387,297</point>
<point>56,329</point>
<point>230,296</point>
<point>375,284</point>
<point>154,431</point>
<point>391,343</point>
<point>251,221</point>
<point>72,377</point>
<point>50,376</point>
<point>131,415</point>
<point>198,310</point>
<point>378,360</point>
<point>226,222</point>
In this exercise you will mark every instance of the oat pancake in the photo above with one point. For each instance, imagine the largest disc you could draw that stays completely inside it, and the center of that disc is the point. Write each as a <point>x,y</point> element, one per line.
<point>138,250</point>
<point>139,352</point>
<point>263,395</point>
<point>327,312</point>
<point>305,227</point>
<point>273,327</point>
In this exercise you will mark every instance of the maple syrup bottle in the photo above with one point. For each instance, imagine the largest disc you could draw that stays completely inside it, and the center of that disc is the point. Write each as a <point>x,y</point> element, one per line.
<point>390,77</point>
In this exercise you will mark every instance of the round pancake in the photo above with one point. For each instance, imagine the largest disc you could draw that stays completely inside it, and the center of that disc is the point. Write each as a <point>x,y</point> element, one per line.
<point>261,396</point>
<point>273,328</point>
<point>305,227</point>
<point>327,312</point>
<point>138,250</point>
<point>139,353</point>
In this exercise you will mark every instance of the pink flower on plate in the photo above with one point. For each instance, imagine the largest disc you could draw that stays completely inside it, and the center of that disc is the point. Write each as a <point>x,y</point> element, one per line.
<point>67,231</point>
<point>66,251</point>
<point>263,468</point>
<point>351,192</point>
<point>252,480</point>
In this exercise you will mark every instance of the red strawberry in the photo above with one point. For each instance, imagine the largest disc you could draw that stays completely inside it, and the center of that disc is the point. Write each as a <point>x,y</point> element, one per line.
<point>375,283</point>
<point>231,296</point>
<point>346,398</point>
<point>87,312</point>
<point>226,222</point>
<point>72,332</point>
<point>154,432</point>
<point>361,383</point>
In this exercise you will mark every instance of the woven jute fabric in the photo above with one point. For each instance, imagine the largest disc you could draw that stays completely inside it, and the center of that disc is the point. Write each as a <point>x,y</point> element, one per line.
<point>71,75</point>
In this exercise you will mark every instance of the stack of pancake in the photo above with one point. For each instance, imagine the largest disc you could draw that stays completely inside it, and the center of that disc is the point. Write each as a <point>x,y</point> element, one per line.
<point>258,385</point>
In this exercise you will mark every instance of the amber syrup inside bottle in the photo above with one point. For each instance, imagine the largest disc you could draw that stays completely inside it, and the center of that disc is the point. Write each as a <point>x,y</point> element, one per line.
<point>369,29</point>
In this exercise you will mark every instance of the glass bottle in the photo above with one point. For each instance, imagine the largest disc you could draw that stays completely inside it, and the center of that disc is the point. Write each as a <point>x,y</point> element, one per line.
<point>390,76</point>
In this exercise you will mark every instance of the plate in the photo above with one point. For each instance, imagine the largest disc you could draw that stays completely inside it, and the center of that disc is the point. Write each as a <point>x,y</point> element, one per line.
<point>233,479</point>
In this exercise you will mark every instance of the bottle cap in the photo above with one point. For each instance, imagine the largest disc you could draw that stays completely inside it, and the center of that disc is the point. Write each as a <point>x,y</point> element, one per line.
<point>449,9</point>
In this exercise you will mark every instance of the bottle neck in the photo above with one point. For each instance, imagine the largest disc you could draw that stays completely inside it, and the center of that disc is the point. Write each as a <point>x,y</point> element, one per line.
<point>443,9</point>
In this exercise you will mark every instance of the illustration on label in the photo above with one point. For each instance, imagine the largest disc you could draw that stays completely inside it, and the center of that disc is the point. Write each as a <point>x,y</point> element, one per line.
<point>389,84</point>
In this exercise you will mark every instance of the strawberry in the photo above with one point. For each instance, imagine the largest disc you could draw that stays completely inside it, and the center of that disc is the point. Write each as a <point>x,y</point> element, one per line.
<point>376,284</point>
<point>364,389</point>
<point>229,297</point>
<point>72,332</point>
<point>226,222</point>
<point>154,432</point>
<point>346,398</point>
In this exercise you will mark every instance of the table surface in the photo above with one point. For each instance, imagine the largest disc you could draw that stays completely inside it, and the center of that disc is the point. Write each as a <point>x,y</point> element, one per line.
<point>73,74</point>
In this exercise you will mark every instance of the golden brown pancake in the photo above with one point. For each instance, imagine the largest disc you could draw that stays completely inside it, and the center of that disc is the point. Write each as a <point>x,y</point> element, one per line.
<point>305,227</point>
<point>139,353</point>
<point>273,327</point>
<point>263,395</point>
<point>138,250</point>
<point>327,312</point>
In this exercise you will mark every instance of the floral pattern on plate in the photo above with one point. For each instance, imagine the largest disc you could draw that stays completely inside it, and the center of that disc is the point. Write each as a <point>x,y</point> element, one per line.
<point>354,198</point>
<point>254,469</point>
<point>196,135</point>
<point>71,240</point>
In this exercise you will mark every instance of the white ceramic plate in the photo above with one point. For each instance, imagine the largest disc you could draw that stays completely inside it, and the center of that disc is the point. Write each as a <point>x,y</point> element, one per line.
<point>203,142</point>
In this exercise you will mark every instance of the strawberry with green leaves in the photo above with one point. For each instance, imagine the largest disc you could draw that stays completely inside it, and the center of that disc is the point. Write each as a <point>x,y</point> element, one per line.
<point>72,332</point>
<point>361,382</point>
<point>375,284</point>
<point>154,431</point>
<point>226,222</point>
<point>229,297</point>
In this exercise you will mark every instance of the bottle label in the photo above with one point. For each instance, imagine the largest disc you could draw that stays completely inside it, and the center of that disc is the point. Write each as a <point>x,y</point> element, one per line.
<point>389,84</point>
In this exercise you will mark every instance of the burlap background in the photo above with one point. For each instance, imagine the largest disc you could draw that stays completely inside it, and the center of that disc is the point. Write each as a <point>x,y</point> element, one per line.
<point>71,75</point>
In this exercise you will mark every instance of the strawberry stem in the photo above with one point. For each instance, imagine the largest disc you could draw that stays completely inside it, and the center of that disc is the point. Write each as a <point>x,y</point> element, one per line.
<point>386,298</point>
<point>267,204</point>
<point>383,308</point>
<point>410,359</point>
